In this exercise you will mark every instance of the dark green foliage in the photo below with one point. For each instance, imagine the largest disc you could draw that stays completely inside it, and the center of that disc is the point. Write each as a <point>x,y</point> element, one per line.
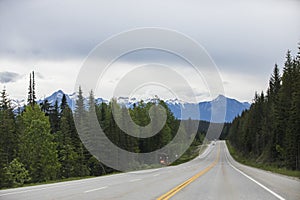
<point>45,107</point>
<point>270,131</point>
<point>42,143</point>
<point>64,103</point>
<point>16,174</point>
<point>37,150</point>
<point>54,118</point>
<point>66,144</point>
<point>8,135</point>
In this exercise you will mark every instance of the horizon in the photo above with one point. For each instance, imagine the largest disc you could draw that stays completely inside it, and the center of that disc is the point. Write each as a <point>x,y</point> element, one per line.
<point>125,97</point>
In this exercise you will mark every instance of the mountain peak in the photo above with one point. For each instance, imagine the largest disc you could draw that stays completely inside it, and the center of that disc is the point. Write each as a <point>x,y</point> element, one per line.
<point>233,107</point>
<point>60,91</point>
<point>220,97</point>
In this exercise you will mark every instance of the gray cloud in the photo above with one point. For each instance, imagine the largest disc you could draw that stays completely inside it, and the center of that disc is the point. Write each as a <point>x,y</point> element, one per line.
<point>7,77</point>
<point>237,34</point>
<point>242,37</point>
<point>39,75</point>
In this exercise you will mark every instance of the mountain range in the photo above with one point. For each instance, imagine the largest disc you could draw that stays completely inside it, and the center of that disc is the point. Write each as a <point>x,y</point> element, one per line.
<point>180,109</point>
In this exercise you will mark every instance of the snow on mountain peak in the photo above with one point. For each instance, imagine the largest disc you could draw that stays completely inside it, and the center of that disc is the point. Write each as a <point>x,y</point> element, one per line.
<point>233,107</point>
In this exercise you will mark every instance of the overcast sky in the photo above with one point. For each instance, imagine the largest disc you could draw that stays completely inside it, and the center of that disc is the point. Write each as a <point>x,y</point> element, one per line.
<point>244,38</point>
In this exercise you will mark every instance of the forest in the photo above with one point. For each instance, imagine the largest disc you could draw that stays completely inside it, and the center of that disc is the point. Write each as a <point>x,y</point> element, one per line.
<point>40,143</point>
<point>269,132</point>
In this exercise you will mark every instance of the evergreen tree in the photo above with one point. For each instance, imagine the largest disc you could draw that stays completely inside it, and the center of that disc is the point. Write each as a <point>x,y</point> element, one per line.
<point>31,90</point>
<point>8,135</point>
<point>93,138</point>
<point>67,154</point>
<point>37,149</point>
<point>64,103</point>
<point>269,131</point>
<point>46,107</point>
<point>293,124</point>
<point>16,174</point>
<point>30,99</point>
<point>80,115</point>
<point>54,118</point>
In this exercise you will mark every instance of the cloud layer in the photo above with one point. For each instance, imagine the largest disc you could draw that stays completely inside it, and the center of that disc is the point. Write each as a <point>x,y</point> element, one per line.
<point>8,77</point>
<point>244,38</point>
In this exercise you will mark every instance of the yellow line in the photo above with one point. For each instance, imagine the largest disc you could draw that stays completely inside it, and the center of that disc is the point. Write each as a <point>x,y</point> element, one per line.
<point>175,190</point>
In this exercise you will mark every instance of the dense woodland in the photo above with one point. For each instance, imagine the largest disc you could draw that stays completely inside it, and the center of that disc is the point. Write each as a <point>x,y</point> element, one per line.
<point>41,142</point>
<point>269,132</point>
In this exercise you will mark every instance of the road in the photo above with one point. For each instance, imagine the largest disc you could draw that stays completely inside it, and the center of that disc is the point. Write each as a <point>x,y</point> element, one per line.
<point>212,175</point>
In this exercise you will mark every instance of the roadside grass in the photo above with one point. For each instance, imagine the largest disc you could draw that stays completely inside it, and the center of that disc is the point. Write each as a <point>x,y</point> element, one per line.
<point>58,181</point>
<point>49,182</point>
<point>190,154</point>
<point>268,167</point>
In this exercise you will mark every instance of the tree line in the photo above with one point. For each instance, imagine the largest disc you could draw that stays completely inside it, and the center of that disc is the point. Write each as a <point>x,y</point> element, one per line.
<point>41,143</point>
<point>269,132</point>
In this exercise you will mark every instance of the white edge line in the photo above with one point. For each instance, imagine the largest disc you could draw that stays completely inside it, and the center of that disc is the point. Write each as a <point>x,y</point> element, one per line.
<point>23,191</point>
<point>134,180</point>
<point>250,178</point>
<point>88,191</point>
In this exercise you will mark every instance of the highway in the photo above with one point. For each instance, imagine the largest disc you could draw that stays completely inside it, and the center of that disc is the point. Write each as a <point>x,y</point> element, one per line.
<point>212,175</point>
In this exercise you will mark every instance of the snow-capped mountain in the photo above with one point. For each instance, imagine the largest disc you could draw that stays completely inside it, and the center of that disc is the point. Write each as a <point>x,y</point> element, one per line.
<point>71,99</point>
<point>16,104</point>
<point>180,109</point>
<point>57,96</point>
<point>233,108</point>
<point>198,111</point>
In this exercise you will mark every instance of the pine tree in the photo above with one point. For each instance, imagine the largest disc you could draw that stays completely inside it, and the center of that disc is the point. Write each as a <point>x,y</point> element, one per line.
<point>54,118</point>
<point>80,115</point>
<point>16,174</point>
<point>5,102</point>
<point>282,110</point>
<point>293,124</point>
<point>8,137</point>
<point>31,100</point>
<point>46,107</point>
<point>33,88</point>
<point>272,111</point>
<point>94,139</point>
<point>37,150</point>
<point>67,153</point>
<point>64,103</point>
<point>269,131</point>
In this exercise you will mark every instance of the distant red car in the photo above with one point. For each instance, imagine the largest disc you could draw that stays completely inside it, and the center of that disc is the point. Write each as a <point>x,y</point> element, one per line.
<point>163,159</point>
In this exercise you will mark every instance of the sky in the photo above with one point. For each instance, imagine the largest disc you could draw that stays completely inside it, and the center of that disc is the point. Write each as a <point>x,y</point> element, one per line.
<point>54,38</point>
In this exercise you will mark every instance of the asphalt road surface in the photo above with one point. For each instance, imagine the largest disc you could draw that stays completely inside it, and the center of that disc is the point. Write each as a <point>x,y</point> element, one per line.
<point>212,175</point>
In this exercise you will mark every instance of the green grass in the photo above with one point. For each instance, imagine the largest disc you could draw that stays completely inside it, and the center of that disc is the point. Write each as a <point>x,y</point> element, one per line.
<point>268,167</point>
<point>50,182</point>
<point>190,154</point>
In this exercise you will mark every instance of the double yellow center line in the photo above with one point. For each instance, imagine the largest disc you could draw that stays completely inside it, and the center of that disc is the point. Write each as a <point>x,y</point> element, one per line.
<point>175,190</point>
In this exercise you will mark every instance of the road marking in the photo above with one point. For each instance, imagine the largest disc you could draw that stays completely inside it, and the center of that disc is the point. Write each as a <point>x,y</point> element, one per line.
<point>134,180</point>
<point>250,178</point>
<point>144,171</point>
<point>178,188</point>
<point>23,191</point>
<point>88,191</point>
<point>156,175</point>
